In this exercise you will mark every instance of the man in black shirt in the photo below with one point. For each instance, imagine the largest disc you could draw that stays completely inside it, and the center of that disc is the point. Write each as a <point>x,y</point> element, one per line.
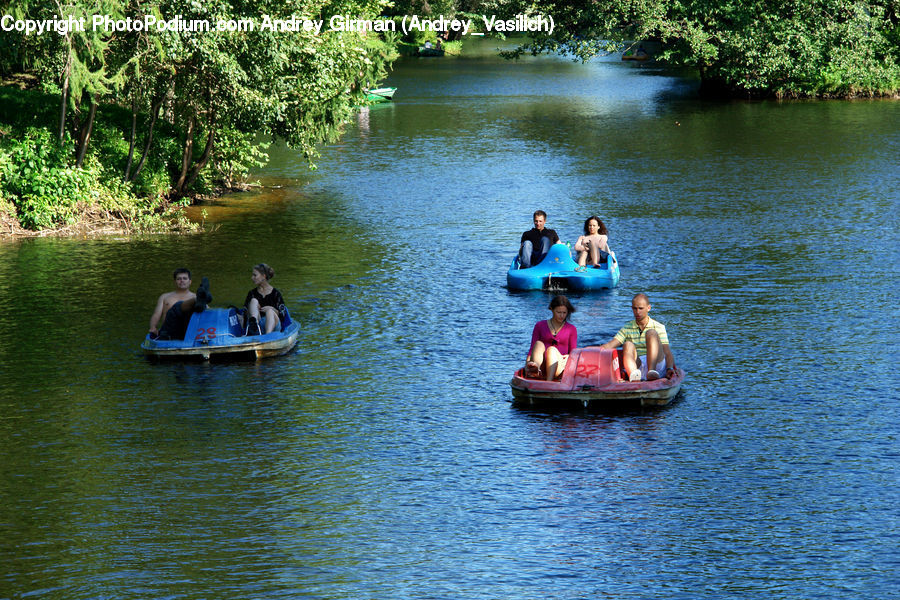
<point>536,241</point>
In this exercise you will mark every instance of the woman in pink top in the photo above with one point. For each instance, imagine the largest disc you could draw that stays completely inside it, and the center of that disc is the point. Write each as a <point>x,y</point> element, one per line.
<point>552,341</point>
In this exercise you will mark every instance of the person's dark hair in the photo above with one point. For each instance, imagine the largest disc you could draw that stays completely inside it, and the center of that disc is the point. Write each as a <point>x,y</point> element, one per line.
<point>601,229</point>
<point>539,213</point>
<point>181,270</point>
<point>265,269</point>
<point>561,300</point>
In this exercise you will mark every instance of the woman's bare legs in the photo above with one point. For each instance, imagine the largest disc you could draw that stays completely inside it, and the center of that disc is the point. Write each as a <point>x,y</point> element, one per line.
<point>592,251</point>
<point>273,319</point>
<point>535,360</point>
<point>555,363</point>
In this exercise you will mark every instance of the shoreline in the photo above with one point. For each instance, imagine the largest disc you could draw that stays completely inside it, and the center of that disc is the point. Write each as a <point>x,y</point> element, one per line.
<point>97,222</point>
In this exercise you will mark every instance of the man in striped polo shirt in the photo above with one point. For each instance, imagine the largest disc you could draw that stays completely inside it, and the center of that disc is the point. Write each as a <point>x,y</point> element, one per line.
<point>645,344</point>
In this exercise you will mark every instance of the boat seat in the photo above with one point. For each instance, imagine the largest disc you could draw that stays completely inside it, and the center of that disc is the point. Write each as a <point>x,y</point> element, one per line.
<point>596,367</point>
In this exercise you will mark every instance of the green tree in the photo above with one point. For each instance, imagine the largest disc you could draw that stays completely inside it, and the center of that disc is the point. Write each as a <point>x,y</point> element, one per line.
<point>219,89</point>
<point>299,85</point>
<point>747,47</point>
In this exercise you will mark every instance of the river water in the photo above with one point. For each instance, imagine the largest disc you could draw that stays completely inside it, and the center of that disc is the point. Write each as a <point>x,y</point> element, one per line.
<point>383,459</point>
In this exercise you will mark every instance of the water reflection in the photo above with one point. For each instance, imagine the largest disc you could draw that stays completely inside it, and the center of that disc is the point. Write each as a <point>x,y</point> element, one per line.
<point>381,458</point>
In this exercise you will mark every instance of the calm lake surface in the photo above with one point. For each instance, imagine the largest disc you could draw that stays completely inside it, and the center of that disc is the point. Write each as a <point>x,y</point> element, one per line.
<point>383,459</point>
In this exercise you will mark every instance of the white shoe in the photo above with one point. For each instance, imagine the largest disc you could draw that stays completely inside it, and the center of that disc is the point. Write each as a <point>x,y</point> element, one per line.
<point>652,375</point>
<point>635,375</point>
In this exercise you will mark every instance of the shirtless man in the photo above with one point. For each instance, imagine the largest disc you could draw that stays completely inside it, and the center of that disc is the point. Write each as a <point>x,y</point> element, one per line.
<point>177,307</point>
<point>645,344</point>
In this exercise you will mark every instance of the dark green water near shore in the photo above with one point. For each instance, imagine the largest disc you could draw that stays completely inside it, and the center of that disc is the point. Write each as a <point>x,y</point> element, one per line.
<point>382,458</point>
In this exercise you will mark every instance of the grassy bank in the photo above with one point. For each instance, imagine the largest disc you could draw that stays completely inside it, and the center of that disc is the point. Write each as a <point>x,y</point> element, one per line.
<point>42,192</point>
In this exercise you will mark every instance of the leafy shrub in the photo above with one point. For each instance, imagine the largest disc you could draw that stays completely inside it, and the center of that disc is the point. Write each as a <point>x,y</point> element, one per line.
<point>236,155</point>
<point>6,207</point>
<point>453,48</point>
<point>42,185</point>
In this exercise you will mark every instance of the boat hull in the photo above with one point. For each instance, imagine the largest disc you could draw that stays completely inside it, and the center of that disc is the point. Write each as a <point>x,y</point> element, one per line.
<point>559,271</point>
<point>217,333</point>
<point>593,379</point>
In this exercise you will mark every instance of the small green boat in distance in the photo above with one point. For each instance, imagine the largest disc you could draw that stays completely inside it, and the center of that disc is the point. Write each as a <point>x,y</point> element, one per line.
<point>384,94</point>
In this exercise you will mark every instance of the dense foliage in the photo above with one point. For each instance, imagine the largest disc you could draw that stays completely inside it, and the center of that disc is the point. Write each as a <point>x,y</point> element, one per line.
<point>745,48</point>
<point>131,119</point>
<point>216,89</point>
<point>41,186</point>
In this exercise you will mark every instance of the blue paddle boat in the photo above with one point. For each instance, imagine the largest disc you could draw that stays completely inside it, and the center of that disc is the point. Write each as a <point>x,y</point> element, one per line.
<point>218,332</point>
<point>559,270</point>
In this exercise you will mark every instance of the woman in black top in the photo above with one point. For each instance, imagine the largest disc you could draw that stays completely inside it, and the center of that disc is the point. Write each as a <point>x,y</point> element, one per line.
<point>263,301</point>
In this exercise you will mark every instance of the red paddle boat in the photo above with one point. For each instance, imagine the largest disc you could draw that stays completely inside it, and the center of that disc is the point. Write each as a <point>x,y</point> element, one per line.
<point>594,377</point>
